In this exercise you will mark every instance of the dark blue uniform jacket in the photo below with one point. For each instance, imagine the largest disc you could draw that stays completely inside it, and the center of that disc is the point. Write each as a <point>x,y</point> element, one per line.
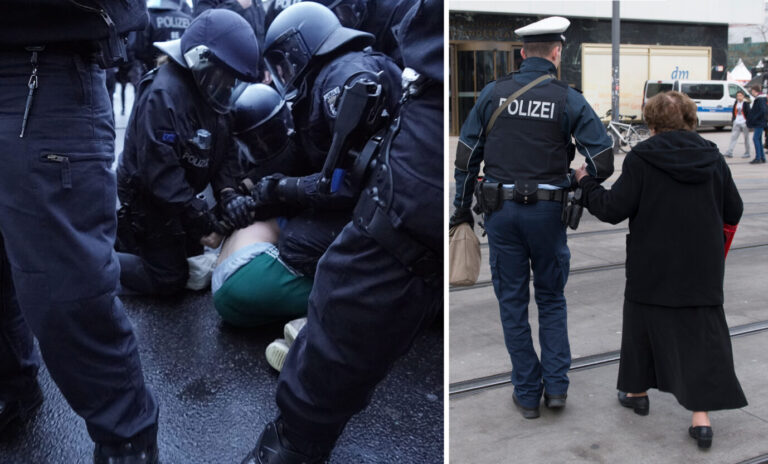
<point>579,121</point>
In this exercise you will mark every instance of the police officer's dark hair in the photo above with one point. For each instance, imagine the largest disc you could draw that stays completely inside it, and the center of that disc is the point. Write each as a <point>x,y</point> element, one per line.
<point>669,111</point>
<point>540,49</point>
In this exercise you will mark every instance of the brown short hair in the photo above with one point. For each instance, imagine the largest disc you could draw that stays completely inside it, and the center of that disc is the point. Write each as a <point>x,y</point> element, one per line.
<point>756,88</point>
<point>540,49</point>
<point>668,111</point>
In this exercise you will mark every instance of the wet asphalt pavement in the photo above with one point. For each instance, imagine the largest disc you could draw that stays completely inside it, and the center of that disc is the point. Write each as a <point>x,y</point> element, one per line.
<point>216,392</point>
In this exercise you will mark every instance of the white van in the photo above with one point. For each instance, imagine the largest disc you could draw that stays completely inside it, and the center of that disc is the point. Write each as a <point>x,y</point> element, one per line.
<point>714,99</point>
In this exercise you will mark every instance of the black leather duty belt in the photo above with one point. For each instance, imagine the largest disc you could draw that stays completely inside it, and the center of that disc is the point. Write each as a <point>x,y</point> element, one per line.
<point>546,195</point>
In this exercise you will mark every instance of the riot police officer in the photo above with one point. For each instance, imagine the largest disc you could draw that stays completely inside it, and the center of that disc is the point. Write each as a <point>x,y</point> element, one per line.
<point>58,272</point>
<point>264,130</point>
<point>360,322</point>
<point>376,17</point>
<point>175,144</point>
<point>521,127</point>
<point>167,21</point>
<point>310,57</point>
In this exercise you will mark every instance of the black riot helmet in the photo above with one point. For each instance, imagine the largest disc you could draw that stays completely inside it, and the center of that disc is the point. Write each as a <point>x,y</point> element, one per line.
<point>300,33</point>
<point>262,122</point>
<point>220,49</point>
<point>351,13</point>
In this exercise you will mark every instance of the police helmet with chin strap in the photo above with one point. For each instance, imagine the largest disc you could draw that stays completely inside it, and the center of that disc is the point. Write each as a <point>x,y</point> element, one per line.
<point>220,49</point>
<point>300,33</point>
<point>261,120</point>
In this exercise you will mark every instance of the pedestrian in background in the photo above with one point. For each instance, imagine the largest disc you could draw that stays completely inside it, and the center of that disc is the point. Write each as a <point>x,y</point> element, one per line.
<point>739,125</point>
<point>756,121</point>
<point>678,193</point>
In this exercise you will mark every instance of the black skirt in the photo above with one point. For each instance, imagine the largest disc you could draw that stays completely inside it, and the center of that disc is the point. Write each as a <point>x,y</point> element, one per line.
<point>683,351</point>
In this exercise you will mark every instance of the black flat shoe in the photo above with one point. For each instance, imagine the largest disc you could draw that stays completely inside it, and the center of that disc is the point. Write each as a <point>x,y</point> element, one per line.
<point>640,404</point>
<point>703,435</point>
<point>555,401</point>
<point>528,413</point>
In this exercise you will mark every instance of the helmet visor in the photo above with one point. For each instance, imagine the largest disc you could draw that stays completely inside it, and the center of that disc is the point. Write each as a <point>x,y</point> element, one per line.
<point>286,59</point>
<point>219,86</point>
<point>269,138</point>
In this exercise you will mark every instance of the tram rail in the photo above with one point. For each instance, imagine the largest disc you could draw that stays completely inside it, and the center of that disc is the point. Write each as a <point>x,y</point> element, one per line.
<point>477,384</point>
<point>590,269</point>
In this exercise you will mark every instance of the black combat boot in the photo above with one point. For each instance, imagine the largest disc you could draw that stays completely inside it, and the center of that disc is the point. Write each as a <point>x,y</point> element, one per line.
<point>274,448</point>
<point>140,449</point>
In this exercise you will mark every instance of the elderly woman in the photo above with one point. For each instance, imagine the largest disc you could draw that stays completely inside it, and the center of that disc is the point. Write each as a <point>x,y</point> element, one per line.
<point>678,193</point>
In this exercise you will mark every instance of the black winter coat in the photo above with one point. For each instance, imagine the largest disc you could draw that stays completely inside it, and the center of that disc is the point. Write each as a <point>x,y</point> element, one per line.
<point>677,192</point>
<point>757,113</point>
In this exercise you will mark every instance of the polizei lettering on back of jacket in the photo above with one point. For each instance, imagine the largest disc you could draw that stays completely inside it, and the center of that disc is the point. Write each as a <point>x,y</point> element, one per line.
<point>531,109</point>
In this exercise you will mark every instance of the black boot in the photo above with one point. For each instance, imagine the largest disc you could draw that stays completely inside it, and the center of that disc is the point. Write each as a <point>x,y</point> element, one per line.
<point>20,408</point>
<point>142,449</point>
<point>273,448</point>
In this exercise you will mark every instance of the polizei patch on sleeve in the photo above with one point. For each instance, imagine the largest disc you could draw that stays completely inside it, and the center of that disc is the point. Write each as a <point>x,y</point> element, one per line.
<point>331,99</point>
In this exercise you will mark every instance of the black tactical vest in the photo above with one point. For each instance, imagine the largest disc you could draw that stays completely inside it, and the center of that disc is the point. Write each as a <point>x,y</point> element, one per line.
<point>526,141</point>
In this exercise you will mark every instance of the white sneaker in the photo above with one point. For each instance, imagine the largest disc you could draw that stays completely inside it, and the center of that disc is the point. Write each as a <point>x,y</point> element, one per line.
<point>746,155</point>
<point>729,155</point>
<point>292,329</point>
<point>276,353</point>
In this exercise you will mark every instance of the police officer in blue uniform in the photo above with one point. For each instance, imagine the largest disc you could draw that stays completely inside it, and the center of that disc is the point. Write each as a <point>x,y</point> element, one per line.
<point>312,59</point>
<point>359,321</point>
<point>167,22</point>
<point>58,272</point>
<point>176,143</point>
<point>526,155</point>
<point>377,17</point>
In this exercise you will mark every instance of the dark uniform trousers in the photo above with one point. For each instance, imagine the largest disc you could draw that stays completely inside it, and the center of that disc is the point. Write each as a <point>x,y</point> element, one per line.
<point>57,228</point>
<point>366,308</point>
<point>522,238</point>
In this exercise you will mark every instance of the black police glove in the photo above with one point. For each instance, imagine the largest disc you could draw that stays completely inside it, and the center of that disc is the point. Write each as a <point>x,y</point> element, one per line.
<point>265,190</point>
<point>238,209</point>
<point>460,216</point>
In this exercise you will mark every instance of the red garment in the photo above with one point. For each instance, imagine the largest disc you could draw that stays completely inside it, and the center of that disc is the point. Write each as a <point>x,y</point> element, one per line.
<point>729,231</point>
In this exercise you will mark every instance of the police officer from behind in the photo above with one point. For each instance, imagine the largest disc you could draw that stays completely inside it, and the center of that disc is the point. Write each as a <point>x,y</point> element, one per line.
<point>312,59</point>
<point>167,21</point>
<point>58,272</point>
<point>176,143</point>
<point>379,283</point>
<point>526,155</point>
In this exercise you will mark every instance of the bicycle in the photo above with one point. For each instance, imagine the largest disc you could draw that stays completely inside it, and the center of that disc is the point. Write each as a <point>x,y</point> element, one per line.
<point>624,136</point>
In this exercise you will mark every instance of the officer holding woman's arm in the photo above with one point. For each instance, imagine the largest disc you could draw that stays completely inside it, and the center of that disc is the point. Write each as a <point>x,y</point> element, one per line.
<point>521,126</point>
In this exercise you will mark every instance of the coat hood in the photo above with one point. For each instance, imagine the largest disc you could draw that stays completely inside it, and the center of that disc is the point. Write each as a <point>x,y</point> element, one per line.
<point>683,155</point>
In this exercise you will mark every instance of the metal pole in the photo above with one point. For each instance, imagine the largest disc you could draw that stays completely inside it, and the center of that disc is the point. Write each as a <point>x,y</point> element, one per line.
<point>615,41</point>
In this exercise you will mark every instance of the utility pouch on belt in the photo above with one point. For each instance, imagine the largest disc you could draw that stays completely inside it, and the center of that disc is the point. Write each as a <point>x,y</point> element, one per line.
<point>573,210</point>
<point>525,192</point>
<point>488,196</point>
